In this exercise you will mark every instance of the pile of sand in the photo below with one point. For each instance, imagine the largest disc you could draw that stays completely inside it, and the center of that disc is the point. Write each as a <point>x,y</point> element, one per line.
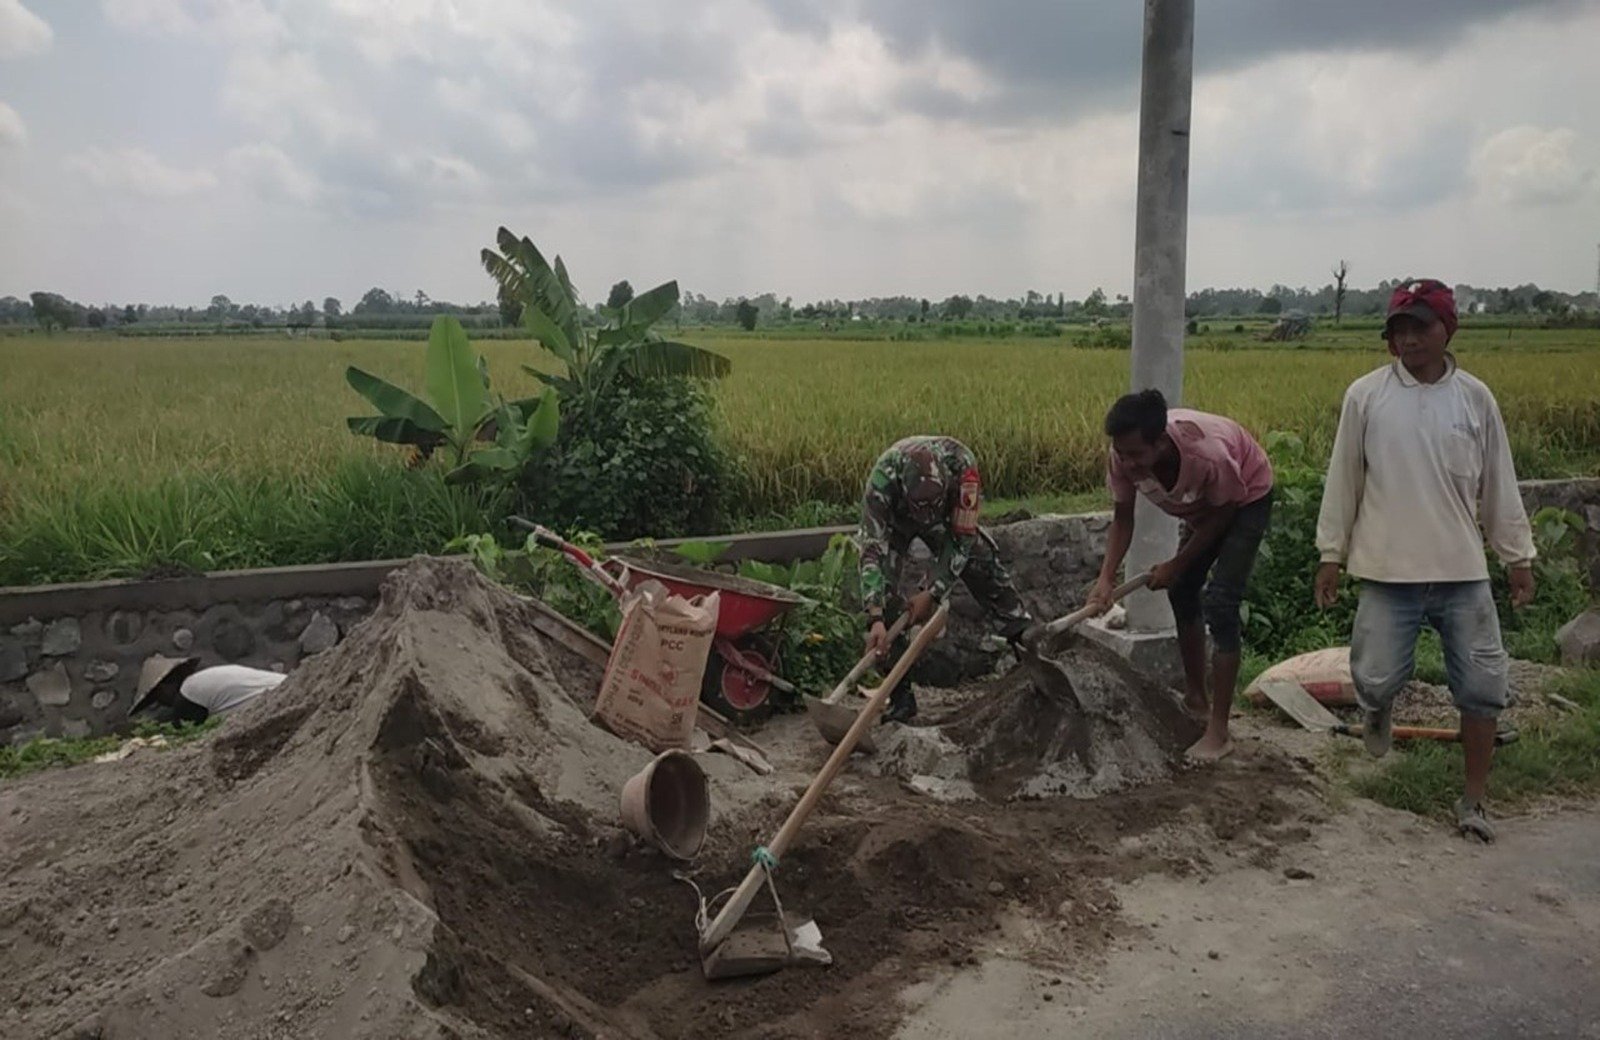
<point>1006,738</point>
<point>416,837</point>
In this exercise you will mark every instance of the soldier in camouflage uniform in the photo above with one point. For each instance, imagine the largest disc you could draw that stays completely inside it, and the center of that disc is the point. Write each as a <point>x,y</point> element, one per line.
<point>928,488</point>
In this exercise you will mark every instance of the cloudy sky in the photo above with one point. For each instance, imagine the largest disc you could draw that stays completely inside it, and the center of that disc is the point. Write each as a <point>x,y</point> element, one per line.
<point>278,150</point>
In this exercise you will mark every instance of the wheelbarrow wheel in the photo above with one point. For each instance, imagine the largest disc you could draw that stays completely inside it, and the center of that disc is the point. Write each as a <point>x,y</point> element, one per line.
<point>734,693</point>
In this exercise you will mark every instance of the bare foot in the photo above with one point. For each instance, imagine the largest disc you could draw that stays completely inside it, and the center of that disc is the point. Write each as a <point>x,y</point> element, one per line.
<point>1210,748</point>
<point>1196,704</point>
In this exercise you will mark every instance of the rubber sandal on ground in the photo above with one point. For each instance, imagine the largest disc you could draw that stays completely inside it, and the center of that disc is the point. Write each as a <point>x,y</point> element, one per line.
<point>1472,823</point>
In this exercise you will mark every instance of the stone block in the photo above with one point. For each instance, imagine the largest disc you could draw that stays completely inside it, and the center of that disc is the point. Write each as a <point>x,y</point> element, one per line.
<point>30,629</point>
<point>183,640</point>
<point>51,687</point>
<point>103,699</point>
<point>1579,639</point>
<point>233,640</point>
<point>75,729</point>
<point>101,671</point>
<point>125,627</point>
<point>13,660</point>
<point>321,634</point>
<point>61,637</point>
<point>24,734</point>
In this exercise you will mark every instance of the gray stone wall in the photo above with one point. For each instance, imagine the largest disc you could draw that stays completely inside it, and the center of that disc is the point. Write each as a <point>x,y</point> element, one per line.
<point>1581,498</point>
<point>75,676</point>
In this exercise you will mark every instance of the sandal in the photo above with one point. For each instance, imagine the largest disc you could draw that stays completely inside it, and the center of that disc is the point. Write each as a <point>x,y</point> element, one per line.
<point>1471,821</point>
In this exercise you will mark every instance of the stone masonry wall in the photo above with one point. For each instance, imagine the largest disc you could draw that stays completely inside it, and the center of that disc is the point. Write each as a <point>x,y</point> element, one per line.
<point>75,676</point>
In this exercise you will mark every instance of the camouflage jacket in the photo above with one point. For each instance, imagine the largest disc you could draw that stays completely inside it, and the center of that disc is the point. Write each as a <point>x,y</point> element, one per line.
<point>888,526</point>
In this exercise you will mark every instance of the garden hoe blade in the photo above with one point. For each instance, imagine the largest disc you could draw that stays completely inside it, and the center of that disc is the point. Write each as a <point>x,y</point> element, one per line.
<point>832,719</point>
<point>760,954</point>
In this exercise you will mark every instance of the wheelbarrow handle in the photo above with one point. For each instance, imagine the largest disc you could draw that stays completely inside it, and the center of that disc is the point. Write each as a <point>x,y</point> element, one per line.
<point>550,540</point>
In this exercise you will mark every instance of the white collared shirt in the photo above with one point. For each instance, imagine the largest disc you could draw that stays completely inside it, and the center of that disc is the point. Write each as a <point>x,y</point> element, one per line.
<point>1415,467</point>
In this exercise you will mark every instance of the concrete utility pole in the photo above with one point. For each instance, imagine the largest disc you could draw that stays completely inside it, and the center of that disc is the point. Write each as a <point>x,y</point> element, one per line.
<point>1160,240</point>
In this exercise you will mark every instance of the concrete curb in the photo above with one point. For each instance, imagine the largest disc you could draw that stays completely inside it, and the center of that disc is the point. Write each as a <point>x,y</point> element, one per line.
<point>200,591</point>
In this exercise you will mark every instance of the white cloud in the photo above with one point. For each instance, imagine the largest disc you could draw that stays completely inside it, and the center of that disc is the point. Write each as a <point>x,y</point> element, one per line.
<point>1532,166</point>
<point>13,131</point>
<point>140,172</point>
<point>254,22</point>
<point>280,91</point>
<point>21,31</point>
<point>269,171</point>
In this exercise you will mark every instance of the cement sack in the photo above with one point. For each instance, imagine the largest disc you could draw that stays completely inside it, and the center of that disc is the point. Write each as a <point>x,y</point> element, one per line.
<point>652,681</point>
<point>1325,674</point>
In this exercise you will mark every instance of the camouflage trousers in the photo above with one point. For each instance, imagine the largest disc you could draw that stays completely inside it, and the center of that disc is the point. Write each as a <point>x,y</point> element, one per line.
<point>985,576</point>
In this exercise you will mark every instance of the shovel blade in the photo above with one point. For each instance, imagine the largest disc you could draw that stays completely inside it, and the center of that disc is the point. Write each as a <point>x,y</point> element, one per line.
<point>1049,678</point>
<point>833,721</point>
<point>1299,705</point>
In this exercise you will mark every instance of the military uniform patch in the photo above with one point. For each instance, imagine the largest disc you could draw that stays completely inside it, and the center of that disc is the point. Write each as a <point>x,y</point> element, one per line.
<point>965,520</point>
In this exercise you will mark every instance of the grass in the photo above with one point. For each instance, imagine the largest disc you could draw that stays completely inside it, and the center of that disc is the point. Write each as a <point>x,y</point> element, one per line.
<point>1557,756</point>
<point>49,752</point>
<point>120,454</point>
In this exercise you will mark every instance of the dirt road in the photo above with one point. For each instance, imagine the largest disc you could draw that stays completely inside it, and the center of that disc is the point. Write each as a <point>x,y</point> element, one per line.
<point>1403,931</point>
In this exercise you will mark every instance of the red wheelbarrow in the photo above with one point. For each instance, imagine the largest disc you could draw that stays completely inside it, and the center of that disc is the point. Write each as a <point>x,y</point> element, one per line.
<point>740,676</point>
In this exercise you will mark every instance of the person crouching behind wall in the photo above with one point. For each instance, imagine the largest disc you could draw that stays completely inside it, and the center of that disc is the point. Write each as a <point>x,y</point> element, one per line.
<point>178,690</point>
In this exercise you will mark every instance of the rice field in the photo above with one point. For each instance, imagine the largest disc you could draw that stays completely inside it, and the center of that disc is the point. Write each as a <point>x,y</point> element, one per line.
<point>98,432</point>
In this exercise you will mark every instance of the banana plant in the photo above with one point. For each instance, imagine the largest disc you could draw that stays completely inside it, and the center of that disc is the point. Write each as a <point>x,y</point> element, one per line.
<point>625,341</point>
<point>487,436</point>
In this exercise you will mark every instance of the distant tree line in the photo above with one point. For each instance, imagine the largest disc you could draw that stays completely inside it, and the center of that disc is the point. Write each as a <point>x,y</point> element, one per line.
<point>381,309</point>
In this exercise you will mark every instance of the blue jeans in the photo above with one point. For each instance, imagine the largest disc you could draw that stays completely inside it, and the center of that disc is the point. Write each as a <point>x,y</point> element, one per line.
<point>1383,645</point>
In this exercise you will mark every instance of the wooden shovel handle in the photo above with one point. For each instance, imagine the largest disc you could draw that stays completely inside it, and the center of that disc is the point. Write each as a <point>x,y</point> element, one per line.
<point>1061,624</point>
<point>866,661</point>
<point>739,902</point>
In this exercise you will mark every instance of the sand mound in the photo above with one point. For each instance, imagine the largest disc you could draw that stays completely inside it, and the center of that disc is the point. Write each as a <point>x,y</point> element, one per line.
<point>416,838</point>
<point>283,878</point>
<point>1009,739</point>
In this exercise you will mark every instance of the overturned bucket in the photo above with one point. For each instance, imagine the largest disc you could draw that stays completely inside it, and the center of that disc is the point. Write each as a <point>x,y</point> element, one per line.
<point>667,804</point>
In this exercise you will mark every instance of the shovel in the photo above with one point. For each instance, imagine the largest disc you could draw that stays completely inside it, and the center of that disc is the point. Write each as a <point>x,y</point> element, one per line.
<point>1311,714</point>
<point>725,953</point>
<point>1048,676</point>
<point>833,719</point>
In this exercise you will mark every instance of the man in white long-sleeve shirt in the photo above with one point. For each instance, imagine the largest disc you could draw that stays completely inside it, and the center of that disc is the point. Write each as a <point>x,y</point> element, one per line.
<point>1420,460</point>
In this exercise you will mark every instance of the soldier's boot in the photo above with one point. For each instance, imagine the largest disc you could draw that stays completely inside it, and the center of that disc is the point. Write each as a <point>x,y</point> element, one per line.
<point>902,705</point>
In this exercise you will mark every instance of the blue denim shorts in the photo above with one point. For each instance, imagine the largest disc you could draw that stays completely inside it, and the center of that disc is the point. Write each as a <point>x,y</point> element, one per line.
<point>1383,646</point>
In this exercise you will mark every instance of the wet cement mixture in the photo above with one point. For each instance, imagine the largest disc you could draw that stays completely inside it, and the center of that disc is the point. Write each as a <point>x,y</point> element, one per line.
<point>417,837</point>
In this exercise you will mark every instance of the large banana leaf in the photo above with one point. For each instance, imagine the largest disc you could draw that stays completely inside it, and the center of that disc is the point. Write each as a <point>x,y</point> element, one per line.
<point>647,308</point>
<point>669,358</point>
<point>547,332</point>
<point>563,386</point>
<point>486,463</point>
<point>544,421</point>
<point>394,430</point>
<point>547,287</point>
<point>453,380</point>
<point>394,402</point>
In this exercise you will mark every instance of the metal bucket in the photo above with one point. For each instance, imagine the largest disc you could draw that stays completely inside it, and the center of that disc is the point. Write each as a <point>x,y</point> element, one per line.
<point>668,805</point>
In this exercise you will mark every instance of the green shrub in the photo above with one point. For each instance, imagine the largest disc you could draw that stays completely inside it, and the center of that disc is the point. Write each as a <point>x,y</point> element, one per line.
<point>639,459</point>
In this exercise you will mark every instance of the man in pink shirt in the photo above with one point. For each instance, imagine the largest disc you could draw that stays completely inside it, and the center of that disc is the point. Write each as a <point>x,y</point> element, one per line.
<point>1207,471</point>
